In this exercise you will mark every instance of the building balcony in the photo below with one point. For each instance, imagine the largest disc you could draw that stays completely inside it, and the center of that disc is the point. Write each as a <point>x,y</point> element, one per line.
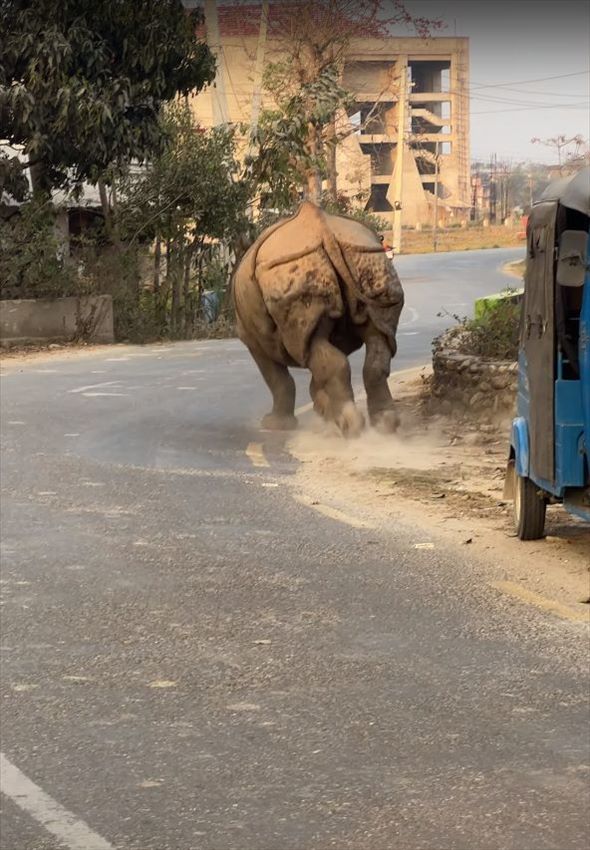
<point>434,96</point>
<point>376,97</point>
<point>377,139</point>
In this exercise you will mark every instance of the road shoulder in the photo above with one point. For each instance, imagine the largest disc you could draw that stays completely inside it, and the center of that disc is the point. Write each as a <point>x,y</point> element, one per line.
<point>446,482</point>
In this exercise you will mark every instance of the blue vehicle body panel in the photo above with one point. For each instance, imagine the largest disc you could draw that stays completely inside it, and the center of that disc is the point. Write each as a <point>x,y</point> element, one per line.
<point>585,362</point>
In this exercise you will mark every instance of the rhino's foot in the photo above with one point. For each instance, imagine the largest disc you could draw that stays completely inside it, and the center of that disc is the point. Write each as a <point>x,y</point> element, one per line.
<point>321,404</point>
<point>276,422</point>
<point>385,422</point>
<point>350,420</point>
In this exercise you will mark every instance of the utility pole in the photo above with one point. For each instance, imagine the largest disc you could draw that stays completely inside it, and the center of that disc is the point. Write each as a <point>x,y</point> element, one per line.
<point>436,175</point>
<point>398,174</point>
<point>493,190</point>
<point>259,68</point>
<point>257,89</point>
<point>220,113</point>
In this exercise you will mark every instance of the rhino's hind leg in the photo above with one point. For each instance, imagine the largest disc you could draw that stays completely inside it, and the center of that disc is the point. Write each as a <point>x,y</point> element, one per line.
<point>282,386</point>
<point>376,369</point>
<point>332,387</point>
<point>321,401</point>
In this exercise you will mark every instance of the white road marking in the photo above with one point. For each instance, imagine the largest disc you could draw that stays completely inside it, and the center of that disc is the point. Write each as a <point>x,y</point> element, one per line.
<point>16,422</point>
<point>255,453</point>
<point>299,411</point>
<point>111,395</point>
<point>414,316</point>
<point>95,386</point>
<point>65,826</point>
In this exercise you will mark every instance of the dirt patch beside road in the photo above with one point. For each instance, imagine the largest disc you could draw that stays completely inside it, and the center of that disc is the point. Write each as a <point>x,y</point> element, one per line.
<point>461,239</point>
<point>446,477</point>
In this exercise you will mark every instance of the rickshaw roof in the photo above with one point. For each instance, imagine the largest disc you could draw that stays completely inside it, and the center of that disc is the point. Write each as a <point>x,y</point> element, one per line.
<point>572,191</point>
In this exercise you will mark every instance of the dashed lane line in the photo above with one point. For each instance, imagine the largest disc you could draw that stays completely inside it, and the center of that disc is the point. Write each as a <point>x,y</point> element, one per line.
<point>515,590</point>
<point>255,453</point>
<point>94,387</point>
<point>69,830</point>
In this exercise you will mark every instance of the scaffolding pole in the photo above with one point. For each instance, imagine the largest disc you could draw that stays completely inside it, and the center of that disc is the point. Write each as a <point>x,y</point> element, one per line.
<point>398,174</point>
<point>219,110</point>
<point>259,68</point>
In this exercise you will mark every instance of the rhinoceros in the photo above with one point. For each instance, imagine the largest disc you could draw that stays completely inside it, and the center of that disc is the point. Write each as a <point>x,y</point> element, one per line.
<point>312,289</point>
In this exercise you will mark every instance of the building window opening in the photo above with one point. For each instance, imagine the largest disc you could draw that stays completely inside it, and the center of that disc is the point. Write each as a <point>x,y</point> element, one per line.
<point>429,76</point>
<point>378,200</point>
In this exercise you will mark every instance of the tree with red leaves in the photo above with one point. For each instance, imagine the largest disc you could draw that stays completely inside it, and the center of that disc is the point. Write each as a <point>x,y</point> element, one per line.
<point>312,38</point>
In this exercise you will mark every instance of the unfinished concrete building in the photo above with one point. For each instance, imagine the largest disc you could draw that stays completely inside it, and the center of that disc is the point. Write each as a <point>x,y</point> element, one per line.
<point>410,113</point>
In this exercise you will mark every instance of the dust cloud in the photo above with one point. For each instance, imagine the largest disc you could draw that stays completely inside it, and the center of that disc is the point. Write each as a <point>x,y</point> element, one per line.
<point>416,446</point>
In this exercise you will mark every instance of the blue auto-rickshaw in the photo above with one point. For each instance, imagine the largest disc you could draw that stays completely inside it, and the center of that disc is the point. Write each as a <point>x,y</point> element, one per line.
<point>550,441</point>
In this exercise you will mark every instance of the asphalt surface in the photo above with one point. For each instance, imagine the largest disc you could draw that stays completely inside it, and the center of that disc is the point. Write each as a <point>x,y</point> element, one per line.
<point>193,660</point>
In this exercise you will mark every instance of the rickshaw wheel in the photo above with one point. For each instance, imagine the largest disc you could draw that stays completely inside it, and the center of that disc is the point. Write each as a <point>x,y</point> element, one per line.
<point>529,509</point>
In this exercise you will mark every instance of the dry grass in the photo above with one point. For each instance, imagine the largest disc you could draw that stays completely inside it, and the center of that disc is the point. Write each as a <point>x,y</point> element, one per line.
<point>461,239</point>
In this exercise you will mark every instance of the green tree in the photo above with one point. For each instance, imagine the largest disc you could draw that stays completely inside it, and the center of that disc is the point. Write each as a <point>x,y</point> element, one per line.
<point>295,143</point>
<point>190,202</point>
<point>288,152</point>
<point>82,81</point>
<point>32,260</point>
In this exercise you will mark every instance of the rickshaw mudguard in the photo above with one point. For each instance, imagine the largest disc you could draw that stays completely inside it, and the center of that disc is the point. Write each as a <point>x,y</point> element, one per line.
<point>521,446</point>
<point>518,462</point>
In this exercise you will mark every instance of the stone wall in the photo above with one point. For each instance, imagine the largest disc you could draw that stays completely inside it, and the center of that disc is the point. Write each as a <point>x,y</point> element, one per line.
<point>462,382</point>
<point>57,320</point>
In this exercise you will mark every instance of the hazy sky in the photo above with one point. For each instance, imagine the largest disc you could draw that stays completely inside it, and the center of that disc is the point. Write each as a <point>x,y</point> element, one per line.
<point>517,43</point>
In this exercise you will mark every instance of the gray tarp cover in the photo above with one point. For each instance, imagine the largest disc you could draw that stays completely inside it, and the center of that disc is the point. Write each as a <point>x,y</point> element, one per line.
<point>572,191</point>
<point>538,336</point>
<point>538,318</point>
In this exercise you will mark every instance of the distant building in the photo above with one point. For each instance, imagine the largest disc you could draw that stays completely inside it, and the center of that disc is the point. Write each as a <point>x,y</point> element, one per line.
<point>436,71</point>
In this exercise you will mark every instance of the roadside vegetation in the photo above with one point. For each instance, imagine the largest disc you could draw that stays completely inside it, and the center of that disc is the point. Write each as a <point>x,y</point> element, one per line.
<point>493,335</point>
<point>473,237</point>
<point>94,97</point>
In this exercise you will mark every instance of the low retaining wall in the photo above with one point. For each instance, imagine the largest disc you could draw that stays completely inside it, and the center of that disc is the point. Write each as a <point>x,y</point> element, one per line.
<point>462,382</point>
<point>57,320</point>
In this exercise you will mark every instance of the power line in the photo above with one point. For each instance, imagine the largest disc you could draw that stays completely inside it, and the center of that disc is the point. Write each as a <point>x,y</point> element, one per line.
<point>538,106</point>
<point>530,91</point>
<point>537,80</point>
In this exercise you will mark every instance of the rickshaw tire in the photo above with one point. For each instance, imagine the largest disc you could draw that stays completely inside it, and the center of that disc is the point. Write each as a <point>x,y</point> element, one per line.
<point>529,509</point>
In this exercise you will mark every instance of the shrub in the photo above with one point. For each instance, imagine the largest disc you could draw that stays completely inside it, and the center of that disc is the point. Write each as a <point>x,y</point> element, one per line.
<point>33,259</point>
<point>492,336</point>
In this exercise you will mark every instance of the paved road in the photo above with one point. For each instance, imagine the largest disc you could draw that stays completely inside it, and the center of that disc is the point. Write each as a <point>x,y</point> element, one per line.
<point>192,660</point>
